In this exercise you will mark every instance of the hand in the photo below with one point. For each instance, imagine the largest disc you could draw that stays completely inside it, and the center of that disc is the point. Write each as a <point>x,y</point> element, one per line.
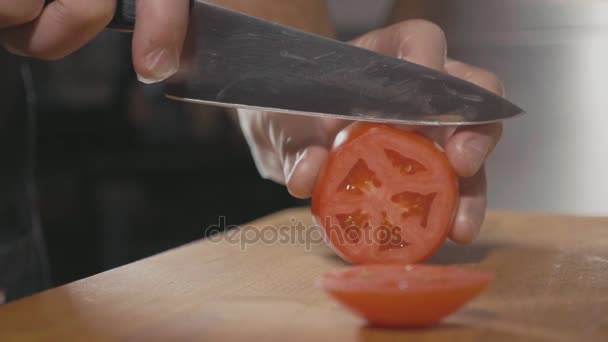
<point>29,28</point>
<point>291,149</point>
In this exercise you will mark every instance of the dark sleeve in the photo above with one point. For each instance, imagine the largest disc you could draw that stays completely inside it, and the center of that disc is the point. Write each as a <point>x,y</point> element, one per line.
<point>23,267</point>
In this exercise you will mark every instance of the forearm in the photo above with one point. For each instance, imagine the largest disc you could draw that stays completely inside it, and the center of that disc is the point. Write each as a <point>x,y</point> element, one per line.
<point>308,15</point>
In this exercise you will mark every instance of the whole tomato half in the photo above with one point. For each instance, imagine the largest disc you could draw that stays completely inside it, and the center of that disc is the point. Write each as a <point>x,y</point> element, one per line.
<point>385,195</point>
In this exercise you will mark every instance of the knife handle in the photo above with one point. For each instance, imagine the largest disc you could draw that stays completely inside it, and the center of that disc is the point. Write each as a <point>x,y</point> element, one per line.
<point>124,18</point>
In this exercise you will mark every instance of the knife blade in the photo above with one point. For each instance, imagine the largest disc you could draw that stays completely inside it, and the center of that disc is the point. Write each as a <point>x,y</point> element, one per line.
<point>234,60</point>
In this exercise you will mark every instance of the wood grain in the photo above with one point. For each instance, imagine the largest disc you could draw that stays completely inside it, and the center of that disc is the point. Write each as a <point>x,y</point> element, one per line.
<point>552,285</point>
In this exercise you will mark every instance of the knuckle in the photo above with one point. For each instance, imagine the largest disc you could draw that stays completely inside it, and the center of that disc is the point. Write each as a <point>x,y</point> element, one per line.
<point>491,82</point>
<point>499,129</point>
<point>483,78</point>
<point>458,67</point>
<point>367,41</point>
<point>101,10</point>
<point>428,27</point>
<point>25,12</point>
<point>84,12</point>
<point>423,42</point>
<point>495,132</point>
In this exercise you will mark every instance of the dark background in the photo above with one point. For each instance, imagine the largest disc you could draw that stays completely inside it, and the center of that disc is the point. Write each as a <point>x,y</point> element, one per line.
<point>123,173</point>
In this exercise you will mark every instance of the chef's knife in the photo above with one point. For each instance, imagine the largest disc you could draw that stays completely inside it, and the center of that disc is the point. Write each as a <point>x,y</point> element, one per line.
<point>234,60</point>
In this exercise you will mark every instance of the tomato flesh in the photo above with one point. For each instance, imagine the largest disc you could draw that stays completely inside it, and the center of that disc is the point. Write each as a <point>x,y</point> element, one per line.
<point>385,196</point>
<point>410,296</point>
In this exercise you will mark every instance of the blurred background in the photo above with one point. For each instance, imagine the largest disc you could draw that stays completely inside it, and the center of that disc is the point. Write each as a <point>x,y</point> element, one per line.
<point>123,173</point>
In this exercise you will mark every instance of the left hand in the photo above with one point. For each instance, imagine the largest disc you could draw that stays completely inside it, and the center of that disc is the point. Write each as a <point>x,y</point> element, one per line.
<point>291,149</point>
<point>29,28</point>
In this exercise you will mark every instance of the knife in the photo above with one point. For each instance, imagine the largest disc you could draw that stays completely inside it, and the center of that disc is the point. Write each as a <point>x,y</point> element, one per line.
<point>238,61</point>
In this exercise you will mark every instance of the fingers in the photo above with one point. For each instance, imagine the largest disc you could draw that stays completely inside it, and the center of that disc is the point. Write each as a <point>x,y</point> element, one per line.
<point>19,12</point>
<point>62,27</point>
<point>303,172</point>
<point>417,41</point>
<point>421,42</point>
<point>468,147</point>
<point>289,149</point>
<point>255,127</point>
<point>472,208</point>
<point>302,167</point>
<point>478,76</point>
<point>160,30</point>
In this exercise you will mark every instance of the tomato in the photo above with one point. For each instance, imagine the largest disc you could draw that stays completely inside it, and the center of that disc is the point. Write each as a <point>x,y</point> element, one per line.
<point>385,195</point>
<point>397,296</point>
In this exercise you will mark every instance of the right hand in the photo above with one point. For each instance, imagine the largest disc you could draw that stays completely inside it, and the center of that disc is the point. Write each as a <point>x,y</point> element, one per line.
<point>52,31</point>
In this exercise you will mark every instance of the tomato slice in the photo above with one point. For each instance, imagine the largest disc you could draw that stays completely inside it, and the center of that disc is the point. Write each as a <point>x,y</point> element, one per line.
<point>385,195</point>
<point>410,296</point>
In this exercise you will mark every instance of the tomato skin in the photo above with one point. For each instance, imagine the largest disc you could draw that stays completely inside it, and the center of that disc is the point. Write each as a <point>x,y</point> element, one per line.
<point>429,292</point>
<point>357,138</point>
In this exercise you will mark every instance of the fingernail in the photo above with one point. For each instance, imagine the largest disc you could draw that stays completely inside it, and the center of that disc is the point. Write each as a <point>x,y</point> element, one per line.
<point>476,150</point>
<point>160,64</point>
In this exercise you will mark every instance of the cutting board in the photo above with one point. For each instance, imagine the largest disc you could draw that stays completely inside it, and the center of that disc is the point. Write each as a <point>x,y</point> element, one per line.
<point>552,285</point>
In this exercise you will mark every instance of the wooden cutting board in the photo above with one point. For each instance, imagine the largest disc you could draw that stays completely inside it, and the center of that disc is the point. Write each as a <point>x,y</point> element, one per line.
<point>552,285</point>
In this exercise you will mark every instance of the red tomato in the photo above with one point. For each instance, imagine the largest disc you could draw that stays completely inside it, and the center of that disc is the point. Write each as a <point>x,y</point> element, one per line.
<point>385,195</point>
<point>397,296</point>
